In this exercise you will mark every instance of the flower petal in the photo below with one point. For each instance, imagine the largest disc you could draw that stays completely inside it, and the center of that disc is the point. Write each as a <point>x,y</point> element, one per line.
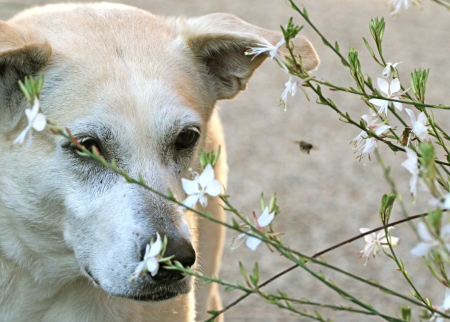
<point>190,186</point>
<point>265,218</point>
<point>413,185</point>
<point>191,201</point>
<point>213,189</point>
<point>446,304</point>
<point>382,129</point>
<point>138,271</point>
<point>394,86</point>
<point>383,85</point>
<point>419,129</point>
<point>367,118</point>
<point>39,122</point>
<point>398,105</point>
<point>156,247</point>
<point>424,233</point>
<point>446,204</point>
<point>371,237</point>
<point>152,265</point>
<point>381,234</point>
<point>31,113</point>
<point>252,242</point>
<point>21,137</point>
<point>203,200</point>
<point>411,115</point>
<point>387,70</point>
<point>377,102</point>
<point>237,241</point>
<point>207,176</point>
<point>421,249</point>
<point>369,249</point>
<point>275,50</point>
<point>370,146</point>
<point>392,239</point>
<point>411,164</point>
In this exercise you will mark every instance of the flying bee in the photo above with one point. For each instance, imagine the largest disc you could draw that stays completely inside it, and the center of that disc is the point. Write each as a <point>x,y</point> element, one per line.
<point>406,136</point>
<point>304,146</point>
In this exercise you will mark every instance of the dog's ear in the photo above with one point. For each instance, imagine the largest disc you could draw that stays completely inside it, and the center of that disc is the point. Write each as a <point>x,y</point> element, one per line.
<point>220,42</point>
<point>21,54</point>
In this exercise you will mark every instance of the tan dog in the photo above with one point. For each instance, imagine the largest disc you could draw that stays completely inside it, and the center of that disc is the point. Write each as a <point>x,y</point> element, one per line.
<point>142,89</point>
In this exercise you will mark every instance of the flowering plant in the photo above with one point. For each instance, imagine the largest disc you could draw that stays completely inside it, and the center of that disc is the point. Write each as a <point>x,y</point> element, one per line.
<point>416,140</point>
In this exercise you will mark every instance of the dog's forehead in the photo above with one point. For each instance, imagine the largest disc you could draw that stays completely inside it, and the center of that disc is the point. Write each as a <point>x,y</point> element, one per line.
<point>121,59</point>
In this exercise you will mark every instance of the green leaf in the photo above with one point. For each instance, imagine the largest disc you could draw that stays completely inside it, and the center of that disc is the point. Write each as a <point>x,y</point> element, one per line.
<point>244,273</point>
<point>419,80</point>
<point>435,218</point>
<point>273,203</point>
<point>344,62</point>
<point>372,53</point>
<point>254,278</point>
<point>261,201</point>
<point>387,202</point>
<point>336,46</point>
<point>305,13</point>
<point>235,224</point>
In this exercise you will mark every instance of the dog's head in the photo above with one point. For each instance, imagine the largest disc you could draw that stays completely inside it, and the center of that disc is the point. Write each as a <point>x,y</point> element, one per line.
<point>139,88</point>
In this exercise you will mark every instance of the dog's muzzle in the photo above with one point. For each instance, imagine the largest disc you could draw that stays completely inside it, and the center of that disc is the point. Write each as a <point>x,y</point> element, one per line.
<point>182,251</point>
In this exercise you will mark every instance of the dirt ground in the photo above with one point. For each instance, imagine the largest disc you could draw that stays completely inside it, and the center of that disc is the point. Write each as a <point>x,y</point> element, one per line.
<point>326,196</point>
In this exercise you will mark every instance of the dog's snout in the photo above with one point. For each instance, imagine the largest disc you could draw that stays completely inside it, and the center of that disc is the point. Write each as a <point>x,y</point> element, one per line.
<point>182,251</point>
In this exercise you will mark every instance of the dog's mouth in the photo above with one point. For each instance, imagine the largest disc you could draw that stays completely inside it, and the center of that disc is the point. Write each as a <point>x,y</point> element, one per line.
<point>158,292</point>
<point>93,279</point>
<point>151,297</point>
<point>145,291</point>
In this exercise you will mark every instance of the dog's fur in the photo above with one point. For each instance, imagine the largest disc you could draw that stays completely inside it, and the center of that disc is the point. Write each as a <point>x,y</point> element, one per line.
<point>72,232</point>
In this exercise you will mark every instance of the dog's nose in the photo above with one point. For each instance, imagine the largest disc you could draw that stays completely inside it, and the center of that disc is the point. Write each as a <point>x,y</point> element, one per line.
<point>183,252</point>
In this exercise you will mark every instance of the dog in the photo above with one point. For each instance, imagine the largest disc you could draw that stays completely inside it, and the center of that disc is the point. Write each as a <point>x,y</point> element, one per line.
<point>141,89</point>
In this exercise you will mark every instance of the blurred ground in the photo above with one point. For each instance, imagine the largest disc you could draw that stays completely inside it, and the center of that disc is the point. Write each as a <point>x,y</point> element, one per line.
<point>325,197</point>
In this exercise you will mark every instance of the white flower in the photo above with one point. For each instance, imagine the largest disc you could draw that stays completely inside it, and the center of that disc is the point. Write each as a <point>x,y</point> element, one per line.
<point>200,187</point>
<point>252,242</point>
<point>429,241</point>
<point>390,67</point>
<point>362,142</point>
<point>389,91</point>
<point>290,87</point>
<point>274,51</point>
<point>397,4</point>
<point>443,308</point>
<point>418,126</point>
<point>150,262</point>
<point>446,203</point>
<point>412,166</point>
<point>36,120</point>
<point>374,241</point>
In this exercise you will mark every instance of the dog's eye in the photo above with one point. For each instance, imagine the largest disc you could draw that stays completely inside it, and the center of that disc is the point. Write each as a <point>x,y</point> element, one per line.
<point>187,138</point>
<point>89,143</point>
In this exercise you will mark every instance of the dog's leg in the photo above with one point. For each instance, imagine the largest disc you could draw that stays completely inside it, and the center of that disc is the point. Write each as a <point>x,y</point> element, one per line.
<point>211,235</point>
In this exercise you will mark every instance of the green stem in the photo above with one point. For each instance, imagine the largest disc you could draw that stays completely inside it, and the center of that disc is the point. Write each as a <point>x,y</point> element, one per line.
<point>394,190</point>
<point>442,3</point>
<point>334,287</point>
<point>356,92</point>
<point>112,166</point>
